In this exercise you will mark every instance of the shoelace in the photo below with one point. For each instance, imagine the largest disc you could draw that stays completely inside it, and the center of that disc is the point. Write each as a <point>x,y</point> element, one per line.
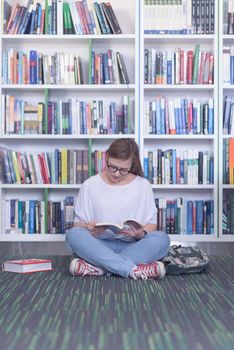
<point>84,268</point>
<point>149,270</point>
<point>145,271</point>
<point>143,275</point>
<point>139,273</point>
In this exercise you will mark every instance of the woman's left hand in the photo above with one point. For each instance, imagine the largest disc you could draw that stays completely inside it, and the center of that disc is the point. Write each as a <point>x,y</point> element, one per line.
<point>136,233</point>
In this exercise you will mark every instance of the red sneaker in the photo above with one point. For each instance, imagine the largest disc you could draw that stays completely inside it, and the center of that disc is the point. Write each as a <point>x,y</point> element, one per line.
<point>155,270</point>
<point>79,267</point>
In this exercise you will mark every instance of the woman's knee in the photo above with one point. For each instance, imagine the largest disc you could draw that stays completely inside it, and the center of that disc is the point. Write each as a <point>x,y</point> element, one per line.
<point>161,238</point>
<point>74,235</point>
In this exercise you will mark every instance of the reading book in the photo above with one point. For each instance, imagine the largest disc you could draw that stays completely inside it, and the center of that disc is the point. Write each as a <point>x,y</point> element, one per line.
<point>27,265</point>
<point>116,228</point>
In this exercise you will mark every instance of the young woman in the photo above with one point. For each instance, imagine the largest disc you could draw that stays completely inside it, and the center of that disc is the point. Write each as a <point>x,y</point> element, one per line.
<point>120,192</point>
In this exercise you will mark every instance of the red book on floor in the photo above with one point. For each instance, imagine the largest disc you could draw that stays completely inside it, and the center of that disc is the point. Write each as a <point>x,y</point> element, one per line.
<point>27,265</point>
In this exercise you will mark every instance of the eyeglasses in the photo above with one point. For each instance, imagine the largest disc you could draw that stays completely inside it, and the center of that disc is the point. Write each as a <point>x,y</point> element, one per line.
<point>114,169</point>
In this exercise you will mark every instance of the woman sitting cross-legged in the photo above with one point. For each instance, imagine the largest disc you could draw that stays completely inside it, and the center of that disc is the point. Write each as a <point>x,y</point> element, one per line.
<point>120,192</point>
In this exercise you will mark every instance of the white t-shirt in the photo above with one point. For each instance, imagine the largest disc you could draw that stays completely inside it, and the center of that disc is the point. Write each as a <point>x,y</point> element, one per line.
<point>101,202</point>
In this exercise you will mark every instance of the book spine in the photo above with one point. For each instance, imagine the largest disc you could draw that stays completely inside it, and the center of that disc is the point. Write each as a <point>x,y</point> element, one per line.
<point>100,18</point>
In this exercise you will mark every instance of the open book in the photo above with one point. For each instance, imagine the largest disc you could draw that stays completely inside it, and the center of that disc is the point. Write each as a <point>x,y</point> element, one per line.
<point>116,228</point>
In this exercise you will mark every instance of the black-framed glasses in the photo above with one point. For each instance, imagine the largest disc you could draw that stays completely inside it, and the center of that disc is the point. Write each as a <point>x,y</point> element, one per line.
<point>114,169</point>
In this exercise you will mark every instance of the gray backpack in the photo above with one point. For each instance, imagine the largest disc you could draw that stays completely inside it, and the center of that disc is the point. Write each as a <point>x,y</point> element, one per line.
<point>185,260</point>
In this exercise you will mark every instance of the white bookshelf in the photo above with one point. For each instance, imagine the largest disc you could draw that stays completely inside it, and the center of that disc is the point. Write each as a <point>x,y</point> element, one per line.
<point>35,237</point>
<point>224,90</point>
<point>74,37</point>
<point>65,137</point>
<point>83,87</point>
<point>131,44</point>
<point>148,92</point>
<point>127,44</point>
<point>184,87</point>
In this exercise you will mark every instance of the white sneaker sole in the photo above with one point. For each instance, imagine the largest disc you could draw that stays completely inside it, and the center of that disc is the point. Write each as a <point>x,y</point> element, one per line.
<point>73,266</point>
<point>161,269</point>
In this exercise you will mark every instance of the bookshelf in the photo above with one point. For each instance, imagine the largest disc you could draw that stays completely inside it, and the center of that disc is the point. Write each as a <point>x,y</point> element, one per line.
<point>82,45</point>
<point>132,44</point>
<point>226,90</point>
<point>152,91</point>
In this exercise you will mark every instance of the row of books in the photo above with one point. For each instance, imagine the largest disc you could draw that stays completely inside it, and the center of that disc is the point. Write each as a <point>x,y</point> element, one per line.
<point>34,18</point>
<point>228,161</point>
<point>228,122</point>
<point>88,17</point>
<point>179,116</point>
<point>34,67</point>
<point>189,16</point>
<point>179,216</point>
<point>72,117</point>
<point>183,216</point>
<point>178,66</point>
<point>62,68</point>
<point>108,68</point>
<point>228,213</point>
<point>36,216</point>
<point>98,161</point>
<point>60,17</point>
<point>172,166</point>
<point>228,64</point>
<point>70,166</point>
<point>65,166</point>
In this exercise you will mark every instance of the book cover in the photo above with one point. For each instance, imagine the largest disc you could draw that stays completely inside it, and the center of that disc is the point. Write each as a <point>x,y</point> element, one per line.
<point>27,265</point>
<point>6,15</point>
<point>100,17</point>
<point>111,18</point>
<point>124,79</point>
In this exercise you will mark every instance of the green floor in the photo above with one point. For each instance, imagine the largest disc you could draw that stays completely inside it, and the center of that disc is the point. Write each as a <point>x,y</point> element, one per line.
<point>53,310</point>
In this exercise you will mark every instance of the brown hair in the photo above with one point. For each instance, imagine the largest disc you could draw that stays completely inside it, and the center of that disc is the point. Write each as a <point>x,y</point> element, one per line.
<point>125,149</point>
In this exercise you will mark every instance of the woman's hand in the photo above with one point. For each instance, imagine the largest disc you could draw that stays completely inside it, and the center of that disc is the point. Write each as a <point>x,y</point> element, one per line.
<point>133,232</point>
<point>95,231</point>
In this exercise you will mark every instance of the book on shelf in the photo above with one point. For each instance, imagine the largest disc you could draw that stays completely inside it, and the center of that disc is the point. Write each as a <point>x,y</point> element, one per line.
<point>228,64</point>
<point>228,161</point>
<point>231,161</point>
<point>1,165</point>
<point>124,79</point>
<point>111,18</point>
<point>27,265</point>
<point>67,19</point>
<point>228,213</point>
<point>6,15</point>
<point>228,120</point>
<point>116,228</point>
<point>228,17</point>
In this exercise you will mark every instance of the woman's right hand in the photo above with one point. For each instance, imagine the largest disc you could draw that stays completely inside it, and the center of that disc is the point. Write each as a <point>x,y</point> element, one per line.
<point>95,231</point>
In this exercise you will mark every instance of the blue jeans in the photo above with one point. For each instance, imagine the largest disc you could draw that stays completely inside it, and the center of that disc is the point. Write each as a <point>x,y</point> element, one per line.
<point>117,256</point>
